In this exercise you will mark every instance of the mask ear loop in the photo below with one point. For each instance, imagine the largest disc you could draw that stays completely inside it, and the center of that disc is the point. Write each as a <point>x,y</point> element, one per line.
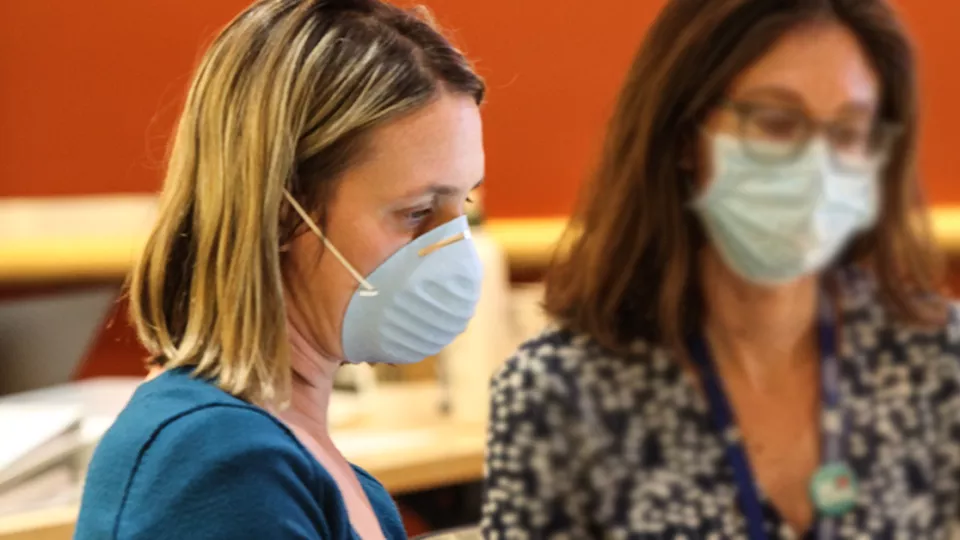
<point>366,289</point>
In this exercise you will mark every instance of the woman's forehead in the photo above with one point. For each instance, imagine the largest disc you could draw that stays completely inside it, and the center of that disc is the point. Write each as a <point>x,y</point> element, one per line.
<point>439,148</point>
<point>821,67</point>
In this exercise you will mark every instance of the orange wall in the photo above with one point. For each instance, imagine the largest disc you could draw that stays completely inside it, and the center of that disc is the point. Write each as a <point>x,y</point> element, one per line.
<point>89,90</point>
<point>934,27</point>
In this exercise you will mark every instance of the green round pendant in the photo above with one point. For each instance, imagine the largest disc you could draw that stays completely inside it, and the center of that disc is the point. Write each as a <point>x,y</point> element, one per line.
<point>833,489</point>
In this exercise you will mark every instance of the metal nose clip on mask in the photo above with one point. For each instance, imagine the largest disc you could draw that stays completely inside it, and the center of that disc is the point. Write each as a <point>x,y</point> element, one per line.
<point>416,302</point>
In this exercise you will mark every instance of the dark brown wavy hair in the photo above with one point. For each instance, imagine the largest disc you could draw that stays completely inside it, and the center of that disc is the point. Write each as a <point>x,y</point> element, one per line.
<point>626,268</point>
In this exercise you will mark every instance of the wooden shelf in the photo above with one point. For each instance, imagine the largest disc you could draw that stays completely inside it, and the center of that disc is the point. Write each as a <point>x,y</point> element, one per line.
<point>98,238</point>
<point>72,239</point>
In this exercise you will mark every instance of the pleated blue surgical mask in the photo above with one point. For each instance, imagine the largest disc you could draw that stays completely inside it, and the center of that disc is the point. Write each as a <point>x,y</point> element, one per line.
<point>416,302</point>
<point>774,222</point>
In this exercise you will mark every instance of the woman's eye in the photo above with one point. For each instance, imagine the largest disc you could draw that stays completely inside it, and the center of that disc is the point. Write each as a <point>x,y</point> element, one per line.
<point>416,216</point>
<point>778,126</point>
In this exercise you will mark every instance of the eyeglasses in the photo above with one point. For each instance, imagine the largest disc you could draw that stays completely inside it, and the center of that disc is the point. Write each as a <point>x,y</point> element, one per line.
<point>777,134</point>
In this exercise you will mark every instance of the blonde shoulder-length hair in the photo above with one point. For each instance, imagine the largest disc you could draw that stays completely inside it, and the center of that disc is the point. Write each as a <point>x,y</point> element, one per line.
<point>281,100</point>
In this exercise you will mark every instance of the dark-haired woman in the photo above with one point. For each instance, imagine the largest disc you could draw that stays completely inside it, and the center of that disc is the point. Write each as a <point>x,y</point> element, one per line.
<point>750,340</point>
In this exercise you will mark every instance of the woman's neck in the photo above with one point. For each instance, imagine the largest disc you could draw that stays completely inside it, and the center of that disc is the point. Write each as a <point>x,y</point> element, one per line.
<point>312,387</point>
<point>761,330</point>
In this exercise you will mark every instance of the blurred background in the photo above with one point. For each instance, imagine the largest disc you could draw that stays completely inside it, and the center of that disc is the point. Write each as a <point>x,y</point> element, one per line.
<point>89,92</point>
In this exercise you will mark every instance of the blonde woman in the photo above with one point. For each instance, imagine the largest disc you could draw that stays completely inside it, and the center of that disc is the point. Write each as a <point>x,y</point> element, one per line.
<point>312,215</point>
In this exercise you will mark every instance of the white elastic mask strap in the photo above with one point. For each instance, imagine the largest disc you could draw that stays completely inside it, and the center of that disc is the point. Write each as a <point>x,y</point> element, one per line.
<point>366,289</point>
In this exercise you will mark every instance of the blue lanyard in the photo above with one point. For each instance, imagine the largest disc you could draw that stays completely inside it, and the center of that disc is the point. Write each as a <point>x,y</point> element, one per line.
<point>724,422</point>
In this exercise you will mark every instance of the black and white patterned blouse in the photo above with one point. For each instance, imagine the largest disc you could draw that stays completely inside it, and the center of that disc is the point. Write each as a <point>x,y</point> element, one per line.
<point>587,444</point>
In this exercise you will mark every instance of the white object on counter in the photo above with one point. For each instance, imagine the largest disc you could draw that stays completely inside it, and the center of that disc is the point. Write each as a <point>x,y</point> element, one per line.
<point>470,361</point>
<point>31,435</point>
<point>98,402</point>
